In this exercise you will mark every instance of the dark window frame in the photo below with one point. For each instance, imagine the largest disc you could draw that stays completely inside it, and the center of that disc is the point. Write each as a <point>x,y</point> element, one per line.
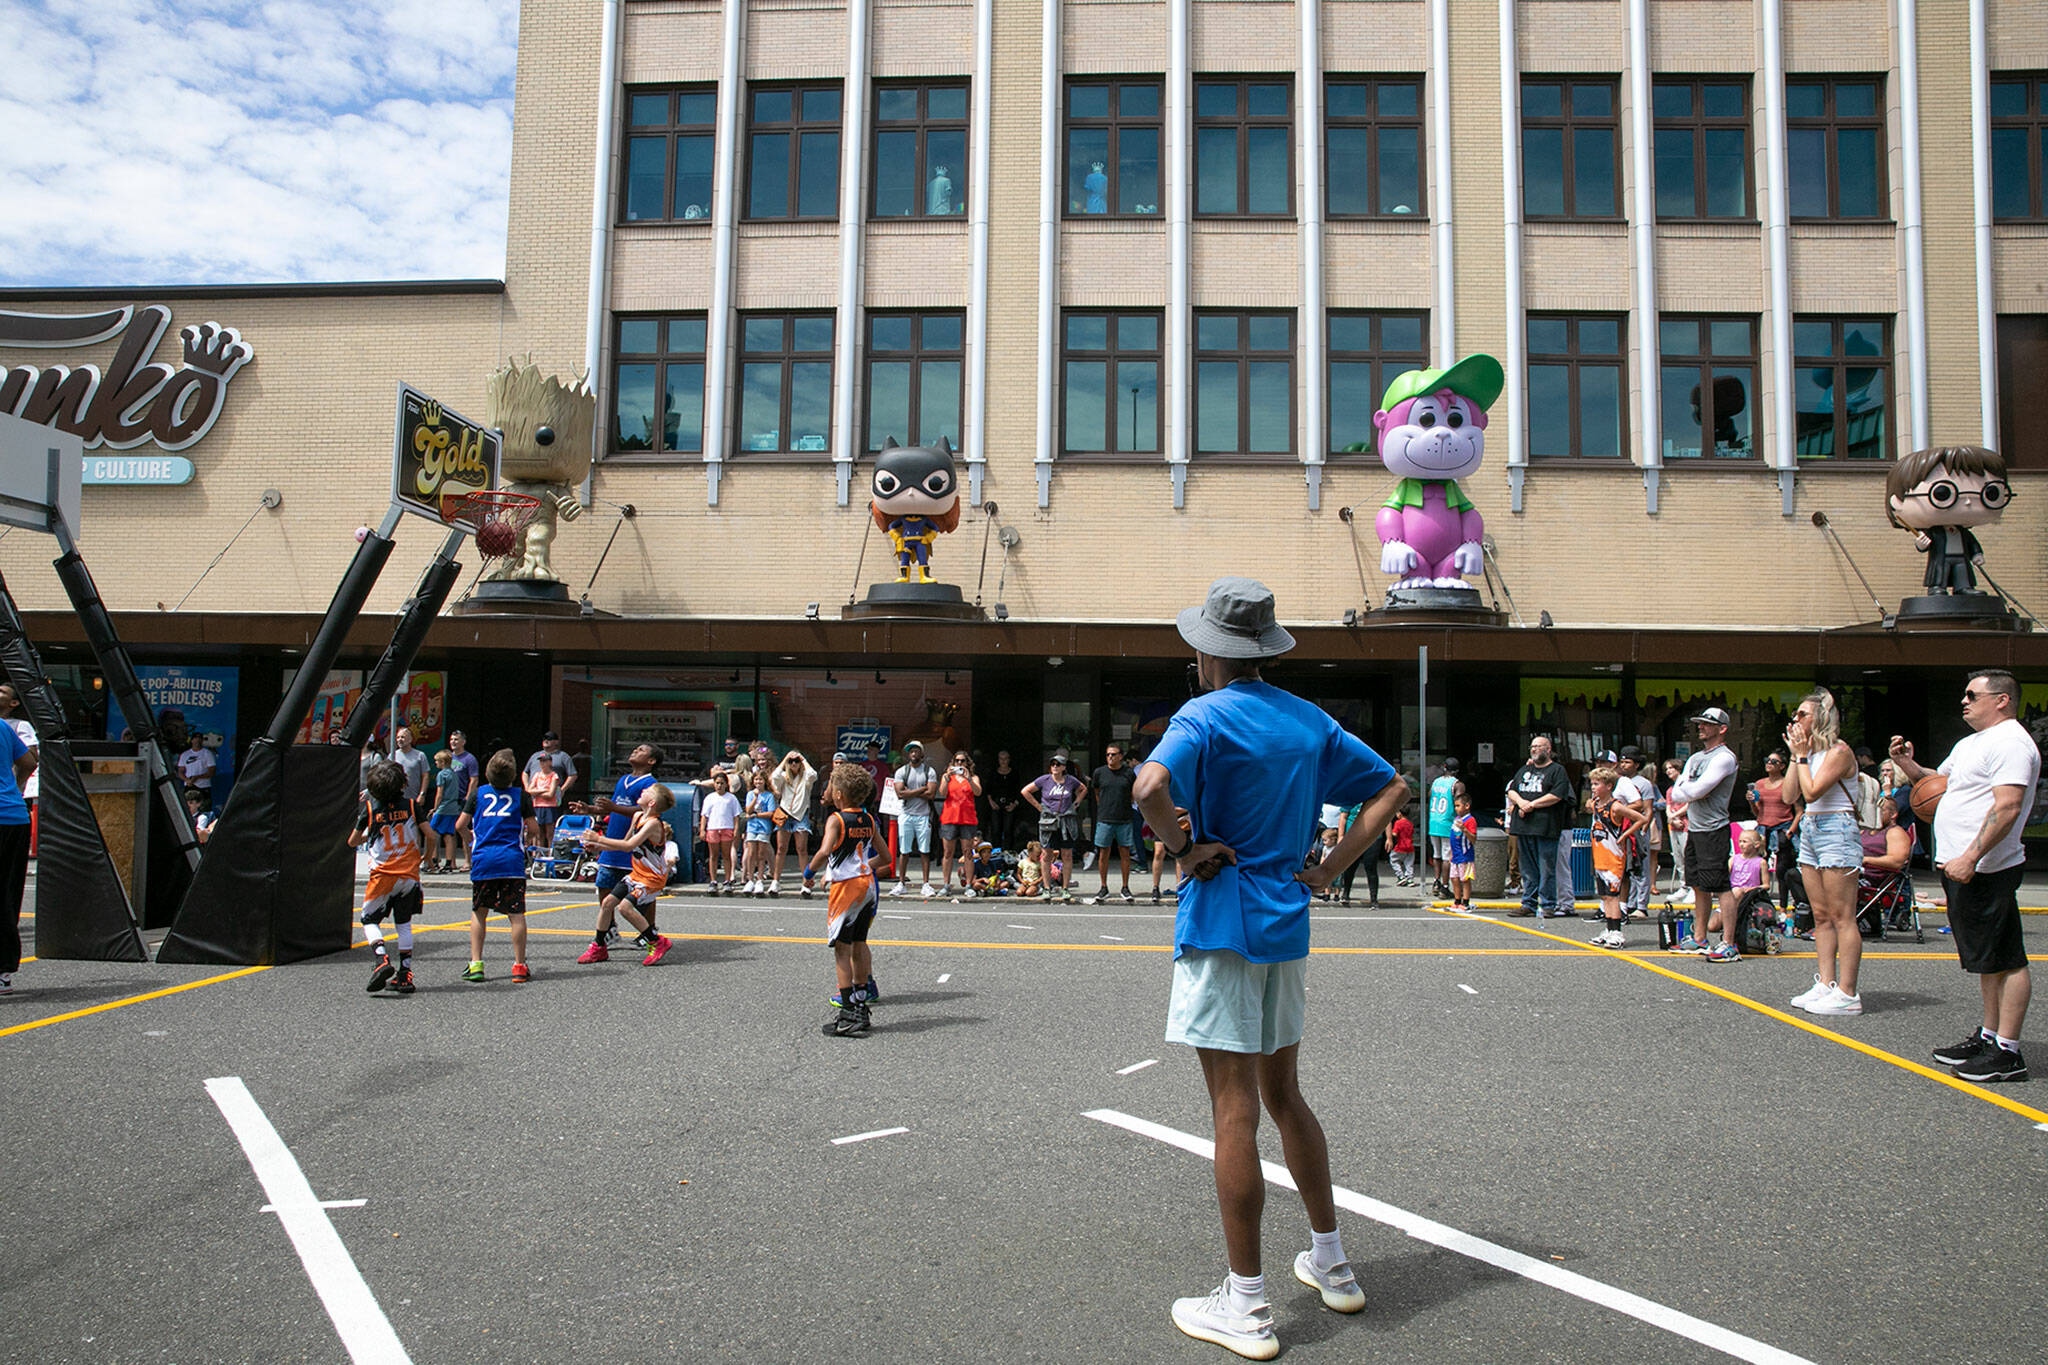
<point>924,125</point>
<point>1700,122</point>
<point>916,357</point>
<point>1243,121</point>
<point>1574,360</point>
<point>1112,354</point>
<point>2035,122</point>
<point>2022,383</point>
<point>671,133</point>
<point>788,356</point>
<point>1705,360</point>
<point>1245,355</point>
<point>796,126</point>
<point>1378,357</point>
<point>1841,364</point>
<point>661,358</point>
<point>1831,124</point>
<point>1373,124</point>
<point>1114,124</point>
<point>1569,122</point>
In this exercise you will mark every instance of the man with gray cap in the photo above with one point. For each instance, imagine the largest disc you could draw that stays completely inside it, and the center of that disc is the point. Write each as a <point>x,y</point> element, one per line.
<point>1250,765</point>
<point>1705,786</point>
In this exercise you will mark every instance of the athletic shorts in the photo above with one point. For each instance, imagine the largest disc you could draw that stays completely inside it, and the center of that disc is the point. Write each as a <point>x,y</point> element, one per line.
<point>849,909</point>
<point>498,896</point>
<point>1440,847</point>
<point>1831,839</point>
<point>1706,859</point>
<point>1984,920</point>
<point>913,834</point>
<point>1222,1001</point>
<point>1115,834</point>
<point>1060,831</point>
<point>717,836</point>
<point>1461,872</point>
<point>608,879</point>
<point>386,894</point>
<point>957,831</point>
<point>443,821</point>
<point>1606,881</point>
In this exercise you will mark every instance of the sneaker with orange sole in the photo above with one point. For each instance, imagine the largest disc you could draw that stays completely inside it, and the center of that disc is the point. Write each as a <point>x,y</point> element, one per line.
<point>520,972</point>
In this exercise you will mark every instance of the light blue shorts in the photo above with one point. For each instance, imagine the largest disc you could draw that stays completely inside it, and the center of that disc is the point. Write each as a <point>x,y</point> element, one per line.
<point>1831,839</point>
<point>1222,1001</point>
<point>1116,834</point>
<point>913,834</point>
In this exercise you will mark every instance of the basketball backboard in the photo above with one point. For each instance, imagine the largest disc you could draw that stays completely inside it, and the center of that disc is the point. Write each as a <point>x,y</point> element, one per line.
<point>439,458</point>
<point>41,469</point>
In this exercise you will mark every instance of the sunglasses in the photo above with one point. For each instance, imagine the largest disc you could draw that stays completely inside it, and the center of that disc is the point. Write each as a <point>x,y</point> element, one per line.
<point>1943,493</point>
<point>1972,694</point>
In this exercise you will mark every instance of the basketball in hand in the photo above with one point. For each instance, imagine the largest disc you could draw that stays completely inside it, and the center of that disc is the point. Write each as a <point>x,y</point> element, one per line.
<point>1927,794</point>
<point>496,538</point>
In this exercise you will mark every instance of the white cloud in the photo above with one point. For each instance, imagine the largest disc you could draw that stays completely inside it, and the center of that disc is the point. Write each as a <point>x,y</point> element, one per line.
<point>233,141</point>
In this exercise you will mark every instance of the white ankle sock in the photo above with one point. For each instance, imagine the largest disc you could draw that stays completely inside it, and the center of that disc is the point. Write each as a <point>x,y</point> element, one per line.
<point>1328,1249</point>
<point>2009,1044</point>
<point>1246,1291</point>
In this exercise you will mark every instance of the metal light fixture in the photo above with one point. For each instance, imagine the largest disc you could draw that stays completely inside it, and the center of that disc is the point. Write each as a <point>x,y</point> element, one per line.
<point>1002,611</point>
<point>1350,616</point>
<point>830,681</point>
<point>949,677</point>
<point>810,611</point>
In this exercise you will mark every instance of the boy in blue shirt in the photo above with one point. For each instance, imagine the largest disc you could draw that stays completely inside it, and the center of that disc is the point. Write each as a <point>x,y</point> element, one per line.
<point>1252,764</point>
<point>500,813</point>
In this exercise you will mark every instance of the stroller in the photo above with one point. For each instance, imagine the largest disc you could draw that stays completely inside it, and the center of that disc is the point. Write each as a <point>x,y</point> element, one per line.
<point>565,859</point>
<point>1884,902</point>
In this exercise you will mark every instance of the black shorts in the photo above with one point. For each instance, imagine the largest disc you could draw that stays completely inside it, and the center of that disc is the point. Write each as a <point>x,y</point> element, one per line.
<point>1706,860</point>
<point>1060,831</point>
<point>498,896</point>
<point>1984,920</point>
<point>957,831</point>
<point>855,930</point>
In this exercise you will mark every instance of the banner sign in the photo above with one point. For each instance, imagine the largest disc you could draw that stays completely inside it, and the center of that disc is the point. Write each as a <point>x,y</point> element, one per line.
<point>188,702</point>
<point>133,470</point>
<point>853,740</point>
<point>136,398</point>
<point>440,457</point>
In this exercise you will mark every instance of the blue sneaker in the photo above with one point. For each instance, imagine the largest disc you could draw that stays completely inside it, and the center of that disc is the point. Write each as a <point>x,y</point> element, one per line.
<point>1723,952</point>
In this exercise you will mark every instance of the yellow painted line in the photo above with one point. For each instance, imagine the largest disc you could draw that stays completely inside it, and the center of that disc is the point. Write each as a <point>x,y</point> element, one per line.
<point>131,1000</point>
<point>546,910</point>
<point>1988,1094</point>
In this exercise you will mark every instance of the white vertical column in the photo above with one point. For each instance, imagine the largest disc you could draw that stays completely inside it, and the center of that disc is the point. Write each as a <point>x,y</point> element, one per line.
<point>1643,229</point>
<point>1911,221</point>
<point>1048,240</point>
<point>1446,321</point>
<point>976,423</point>
<point>853,147</point>
<point>724,220</point>
<point>604,178</point>
<point>1178,399</point>
<point>1315,442</point>
<point>1511,209</point>
<point>1980,213</point>
<point>1777,236</point>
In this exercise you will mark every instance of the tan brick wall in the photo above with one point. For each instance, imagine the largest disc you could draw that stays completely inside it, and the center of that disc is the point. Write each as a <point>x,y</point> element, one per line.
<point>1560,35</point>
<point>1824,37</point>
<point>1114,263</point>
<point>1949,253</point>
<point>657,268</point>
<point>1701,35</point>
<point>1244,35</point>
<point>1113,36</point>
<point>917,263</point>
<point>670,42</point>
<point>1374,265</point>
<point>554,148</point>
<point>2017,32</point>
<point>1375,35</point>
<point>921,40</point>
<point>1712,270</point>
<point>2019,271</point>
<point>795,40</point>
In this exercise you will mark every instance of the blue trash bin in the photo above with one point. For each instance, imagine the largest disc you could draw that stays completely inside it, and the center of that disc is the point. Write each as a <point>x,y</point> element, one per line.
<point>1582,863</point>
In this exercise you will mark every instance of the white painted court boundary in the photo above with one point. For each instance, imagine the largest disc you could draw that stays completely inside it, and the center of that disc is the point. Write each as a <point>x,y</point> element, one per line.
<point>1465,1244</point>
<point>364,1329</point>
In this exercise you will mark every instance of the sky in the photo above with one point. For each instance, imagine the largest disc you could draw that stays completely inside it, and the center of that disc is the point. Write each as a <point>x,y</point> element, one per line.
<point>159,142</point>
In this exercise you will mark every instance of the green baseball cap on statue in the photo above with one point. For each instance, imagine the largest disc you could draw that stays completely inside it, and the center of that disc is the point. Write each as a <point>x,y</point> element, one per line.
<point>1477,377</point>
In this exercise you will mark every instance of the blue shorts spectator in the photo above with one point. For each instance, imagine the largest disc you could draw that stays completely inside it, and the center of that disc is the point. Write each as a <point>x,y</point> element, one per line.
<point>913,834</point>
<point>1122,834</point>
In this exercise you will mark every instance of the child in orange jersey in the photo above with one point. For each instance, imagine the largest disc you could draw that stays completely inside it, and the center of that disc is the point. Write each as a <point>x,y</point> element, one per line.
<point>634,896</point>
<point>846,852</point>
<point>395,827</point>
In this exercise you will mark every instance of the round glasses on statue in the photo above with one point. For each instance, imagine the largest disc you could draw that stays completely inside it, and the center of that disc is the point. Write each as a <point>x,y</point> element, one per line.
<point>1943,493</point>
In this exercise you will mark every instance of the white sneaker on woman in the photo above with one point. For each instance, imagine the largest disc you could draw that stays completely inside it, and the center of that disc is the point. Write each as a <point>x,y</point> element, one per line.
<point>1818,990</point>
<point>1836,1001</point>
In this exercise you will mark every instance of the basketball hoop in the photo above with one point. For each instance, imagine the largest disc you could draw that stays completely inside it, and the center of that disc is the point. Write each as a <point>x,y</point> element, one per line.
<point>498,517</point>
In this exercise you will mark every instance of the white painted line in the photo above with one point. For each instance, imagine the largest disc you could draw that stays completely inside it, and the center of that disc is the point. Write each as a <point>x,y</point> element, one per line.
<point>364,1330</point>
<point>2042,1126</point>
<point>1111,937</point>
<point>944,977</point>
<point>895,917</point>
<point>1139,1066</point>
<point>1020,926</point>
<point>863,1137</point>
<point>325,1204</point>
<point>1465,1244</point>
<point>1467,989</point>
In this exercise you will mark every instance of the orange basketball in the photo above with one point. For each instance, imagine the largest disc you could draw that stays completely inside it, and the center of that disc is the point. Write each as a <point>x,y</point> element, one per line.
<point>1927,794</point>
<point>495,538</point>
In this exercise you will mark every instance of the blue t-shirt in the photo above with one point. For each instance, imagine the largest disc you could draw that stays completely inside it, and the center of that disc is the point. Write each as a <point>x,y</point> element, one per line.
<point>1442,801</point>
<point>761,827</point>
<point>628,790</point>
<point>13,810</point>
<point>497,818</point>
<point>1253,764</point>
<point>1464,835</point>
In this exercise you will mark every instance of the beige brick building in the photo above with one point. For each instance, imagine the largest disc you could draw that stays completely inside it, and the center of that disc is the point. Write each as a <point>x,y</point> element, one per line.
<point>1149,264</point>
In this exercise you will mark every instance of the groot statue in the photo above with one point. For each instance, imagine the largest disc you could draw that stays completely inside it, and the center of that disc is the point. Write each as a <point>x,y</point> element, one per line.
<point>547,428</point>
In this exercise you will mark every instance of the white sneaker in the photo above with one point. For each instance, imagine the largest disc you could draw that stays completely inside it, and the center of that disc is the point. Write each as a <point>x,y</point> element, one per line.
<point>930,891</point>
<point>1610,938</point>
<point>1836,1001</point>
<point>966,893</point>
<point>1251,1334</point>
<point>899,890</point>
<point>1338,1285</point>
<point>1816,991</point>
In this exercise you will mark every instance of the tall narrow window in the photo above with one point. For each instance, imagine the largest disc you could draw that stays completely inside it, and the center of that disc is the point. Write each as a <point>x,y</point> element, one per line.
<point>1709,386</point>
<point>1373,147</point>
<point>1841,388</point>
<point>1571,149</point>
<point>658,384</point>
<point>1113,136</point>
<point>1244,148</point>
<point>914,368</point>
<point>1834,145</point>
<point>1244,383</point>
<point>2022,389</point>
<point>785,382</point>
<point>2019,146</point>
<point>1578,403</point>
<point>1702,147</point>
<point>668,161</point>
<point>793,151</point>
<point>920,151</point>
<point>1369,351</point>
<point>1109,383</point>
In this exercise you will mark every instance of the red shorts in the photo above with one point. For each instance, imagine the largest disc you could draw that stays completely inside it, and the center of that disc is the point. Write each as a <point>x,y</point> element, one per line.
<point>717,836</point>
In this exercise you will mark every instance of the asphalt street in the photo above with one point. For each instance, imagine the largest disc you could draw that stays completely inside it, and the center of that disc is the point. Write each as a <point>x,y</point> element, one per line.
<point>625,1163</point>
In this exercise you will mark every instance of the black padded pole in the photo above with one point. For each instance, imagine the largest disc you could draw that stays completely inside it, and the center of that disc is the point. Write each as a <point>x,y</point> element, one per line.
<point>25,670</point>
<point>414,620</point>
<point>334,627</point>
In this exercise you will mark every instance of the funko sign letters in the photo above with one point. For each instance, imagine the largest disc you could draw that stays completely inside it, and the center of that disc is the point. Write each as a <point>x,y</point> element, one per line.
<point>136,399</point>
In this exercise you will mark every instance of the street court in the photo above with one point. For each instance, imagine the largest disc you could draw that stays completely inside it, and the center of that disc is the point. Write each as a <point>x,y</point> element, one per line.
<point>1546,1152</point>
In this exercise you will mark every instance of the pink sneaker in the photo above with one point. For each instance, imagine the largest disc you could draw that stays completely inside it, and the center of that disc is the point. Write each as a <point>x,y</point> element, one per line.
<point>596,952</point>
<point>659,951</point>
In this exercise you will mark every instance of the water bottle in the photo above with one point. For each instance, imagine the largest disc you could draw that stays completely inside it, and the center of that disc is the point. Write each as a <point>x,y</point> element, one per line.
<point>1667,930</point>
<point>1684,926</point>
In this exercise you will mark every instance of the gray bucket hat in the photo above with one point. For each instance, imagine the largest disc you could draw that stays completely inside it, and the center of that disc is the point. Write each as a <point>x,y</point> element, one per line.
<point>1236,622</point>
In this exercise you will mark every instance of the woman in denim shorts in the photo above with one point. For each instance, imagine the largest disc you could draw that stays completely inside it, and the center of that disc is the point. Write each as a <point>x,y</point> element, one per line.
<point>1822,776</point>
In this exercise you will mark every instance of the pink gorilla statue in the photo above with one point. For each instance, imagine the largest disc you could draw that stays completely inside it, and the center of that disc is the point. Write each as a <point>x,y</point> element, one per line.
<point>1432,432</point>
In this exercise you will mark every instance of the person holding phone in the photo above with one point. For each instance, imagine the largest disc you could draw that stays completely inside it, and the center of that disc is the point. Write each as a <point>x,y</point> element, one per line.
<point>958,828</point>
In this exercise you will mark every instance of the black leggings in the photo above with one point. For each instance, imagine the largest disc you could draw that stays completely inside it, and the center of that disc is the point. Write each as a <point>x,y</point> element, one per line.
<point>1370,861</point>
<point>13,879</point>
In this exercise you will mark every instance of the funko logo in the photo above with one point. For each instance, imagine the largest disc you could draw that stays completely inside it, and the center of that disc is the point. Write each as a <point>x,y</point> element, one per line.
<point>137,399</point>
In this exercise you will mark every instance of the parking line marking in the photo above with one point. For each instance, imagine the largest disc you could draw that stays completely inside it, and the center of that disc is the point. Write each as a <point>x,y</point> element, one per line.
<point>1020,926</point>
<point>364,1330</point>
<point>944,977</point>
<point>863,1137</point>
<point>1437,1234</point>
<point>131,1000</point>
<point>1467,989</point>
<point>324,1204</point>
<point>1139,1066</point>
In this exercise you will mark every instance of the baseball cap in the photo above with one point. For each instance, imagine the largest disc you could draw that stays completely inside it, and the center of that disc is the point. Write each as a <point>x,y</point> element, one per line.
<point>838,756</point>
<point>1608,756</point>
<point>1060,758</point>
<point>546,735</point>
<point>1632,751</point>
<point>1713,715</point>
<point>913,745</point>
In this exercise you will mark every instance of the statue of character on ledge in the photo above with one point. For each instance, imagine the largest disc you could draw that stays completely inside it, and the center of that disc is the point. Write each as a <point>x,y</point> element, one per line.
<point>547,428</point>
<point>1938,495</point>
<point>916,500</point>
<point>1432,432</point>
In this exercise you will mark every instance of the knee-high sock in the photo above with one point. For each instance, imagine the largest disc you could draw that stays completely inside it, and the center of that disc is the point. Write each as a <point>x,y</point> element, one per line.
<point>405,938</point>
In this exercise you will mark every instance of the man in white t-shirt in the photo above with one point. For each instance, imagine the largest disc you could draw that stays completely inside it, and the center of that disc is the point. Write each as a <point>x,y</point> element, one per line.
<point>1991,775</point>
<point>195,768</point>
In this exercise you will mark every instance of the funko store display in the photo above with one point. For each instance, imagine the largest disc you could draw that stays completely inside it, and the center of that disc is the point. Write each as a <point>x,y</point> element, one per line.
<point>1432,433</point>
<point>914,498</point>
<point>1939,495</point>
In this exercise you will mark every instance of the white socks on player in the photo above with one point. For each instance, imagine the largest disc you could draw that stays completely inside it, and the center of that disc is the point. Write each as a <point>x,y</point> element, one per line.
<point>1246,1292</point>
<point>1328,1250</point>
<point>405,937</point>
<point>2009,1044</point>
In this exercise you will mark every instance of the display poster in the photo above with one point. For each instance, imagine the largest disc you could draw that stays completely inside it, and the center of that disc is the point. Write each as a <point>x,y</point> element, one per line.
<point>330,706</point>
<point>190,701</point>
<point>854,738</point>
<point>422,702</point>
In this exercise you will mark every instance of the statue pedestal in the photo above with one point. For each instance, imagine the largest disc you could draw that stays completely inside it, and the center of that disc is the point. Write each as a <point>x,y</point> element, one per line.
<point>1450,606</point>
<point>1959,611</point>
<point>911,602</point>
<point>519,597</point>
